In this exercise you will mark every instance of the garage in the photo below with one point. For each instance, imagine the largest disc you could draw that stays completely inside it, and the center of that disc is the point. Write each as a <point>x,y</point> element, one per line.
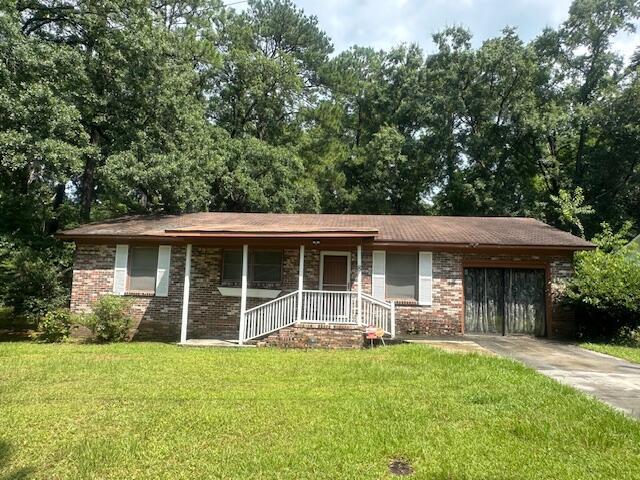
<point>504,301</point>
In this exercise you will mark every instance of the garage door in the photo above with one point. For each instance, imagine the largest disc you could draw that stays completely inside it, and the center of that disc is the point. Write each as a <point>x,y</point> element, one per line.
<point>504,301</point>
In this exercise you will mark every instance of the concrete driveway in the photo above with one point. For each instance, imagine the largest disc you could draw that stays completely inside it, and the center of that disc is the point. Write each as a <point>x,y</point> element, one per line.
<point>612,380</point>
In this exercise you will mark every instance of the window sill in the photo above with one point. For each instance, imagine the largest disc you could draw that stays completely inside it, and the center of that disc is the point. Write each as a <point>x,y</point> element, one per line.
<point>251,292</point>
<point>403,301</point>
<point>139,293</point>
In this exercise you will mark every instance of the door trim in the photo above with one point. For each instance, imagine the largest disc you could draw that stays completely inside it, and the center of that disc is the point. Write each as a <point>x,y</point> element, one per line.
<point>333,253</point>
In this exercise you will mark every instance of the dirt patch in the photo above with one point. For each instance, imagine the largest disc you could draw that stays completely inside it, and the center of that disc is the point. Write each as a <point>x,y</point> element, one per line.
<point>400,467</point>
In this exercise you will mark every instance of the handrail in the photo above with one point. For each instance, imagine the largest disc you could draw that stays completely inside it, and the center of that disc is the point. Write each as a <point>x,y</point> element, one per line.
<point>271,301</point>
<point>318,306</point>
<point>376,300</point>
<point>269,317</point>
<point>331,291</point>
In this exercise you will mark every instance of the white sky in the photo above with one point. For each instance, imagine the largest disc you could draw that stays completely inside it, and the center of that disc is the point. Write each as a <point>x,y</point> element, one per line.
<point>385,23</point>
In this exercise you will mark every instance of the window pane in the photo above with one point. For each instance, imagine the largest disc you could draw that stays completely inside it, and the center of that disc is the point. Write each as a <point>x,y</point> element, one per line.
<point>232,266</point>
<point>267,266</point>
<point>143,267</point>
<point>401,275</point>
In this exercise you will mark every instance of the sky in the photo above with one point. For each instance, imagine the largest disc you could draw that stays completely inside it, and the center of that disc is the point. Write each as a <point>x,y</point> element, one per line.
<point>384,23</point>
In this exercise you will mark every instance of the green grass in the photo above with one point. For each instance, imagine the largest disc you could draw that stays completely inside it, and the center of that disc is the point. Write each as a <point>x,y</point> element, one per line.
<point>161,411</point>
<point>628,353</point>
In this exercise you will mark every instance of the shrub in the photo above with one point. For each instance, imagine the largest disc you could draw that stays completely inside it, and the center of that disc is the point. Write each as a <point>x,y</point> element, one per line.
<point>110,320</point>
<point>628,336</point>
<point>606,287</point>
<point>34,281</point>
<point>55,326</point>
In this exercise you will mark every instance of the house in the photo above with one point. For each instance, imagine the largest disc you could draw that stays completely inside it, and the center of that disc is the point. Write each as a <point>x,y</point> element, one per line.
<point>320,278</point>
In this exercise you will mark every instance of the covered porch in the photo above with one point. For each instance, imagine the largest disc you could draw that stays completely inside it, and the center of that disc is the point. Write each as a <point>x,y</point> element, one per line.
<point>322,283</point>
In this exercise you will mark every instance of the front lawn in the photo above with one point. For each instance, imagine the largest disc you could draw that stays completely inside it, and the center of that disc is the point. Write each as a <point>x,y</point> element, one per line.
<point>162,411</point>
<point>628,353</point>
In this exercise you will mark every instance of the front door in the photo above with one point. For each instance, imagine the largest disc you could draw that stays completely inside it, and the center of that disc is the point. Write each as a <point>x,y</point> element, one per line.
<point>334,277</point>
<point>335,274</point>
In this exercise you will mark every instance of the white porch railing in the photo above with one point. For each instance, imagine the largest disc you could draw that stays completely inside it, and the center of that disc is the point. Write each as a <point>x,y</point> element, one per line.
<point>318,306</point>
<point>270,316</point>
<point>379,314</point>
<point>325,306</point>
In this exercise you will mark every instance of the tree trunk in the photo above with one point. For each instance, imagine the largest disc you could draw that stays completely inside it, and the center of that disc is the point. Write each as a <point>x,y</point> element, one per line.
<point>53,223</point>
<point>577,175</point>
<point>87,183</point>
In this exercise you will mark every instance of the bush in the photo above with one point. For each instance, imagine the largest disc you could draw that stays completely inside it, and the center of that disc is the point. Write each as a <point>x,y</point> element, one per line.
<point>15,323</point>
<point>55,326</point>
<point>627,336</point>
<point>606,287</point>
<point>32,281</point>
<point>110,320</point>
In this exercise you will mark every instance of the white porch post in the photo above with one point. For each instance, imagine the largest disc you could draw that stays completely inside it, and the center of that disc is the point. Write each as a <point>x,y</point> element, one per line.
<point>359,268</point>
<point>300,283</point>
<point>393,319</point>
<point>185,295</point>
<point>243,295</point>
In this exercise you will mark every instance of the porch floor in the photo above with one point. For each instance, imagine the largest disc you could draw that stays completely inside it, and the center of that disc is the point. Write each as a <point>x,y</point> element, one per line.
<point>212,342</point>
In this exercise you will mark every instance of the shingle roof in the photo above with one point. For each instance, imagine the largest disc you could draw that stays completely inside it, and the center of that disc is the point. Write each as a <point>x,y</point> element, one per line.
<point>483,231</point>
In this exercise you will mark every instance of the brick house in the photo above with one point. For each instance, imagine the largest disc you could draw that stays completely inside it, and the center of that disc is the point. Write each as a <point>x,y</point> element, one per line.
<point>321,278</point>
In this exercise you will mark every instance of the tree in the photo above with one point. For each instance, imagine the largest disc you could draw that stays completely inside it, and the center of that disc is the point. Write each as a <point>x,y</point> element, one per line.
<point>270,71</point>
<point>571,207</point>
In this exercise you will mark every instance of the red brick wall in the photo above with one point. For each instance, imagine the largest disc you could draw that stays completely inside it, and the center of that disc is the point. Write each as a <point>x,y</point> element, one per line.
<point>156,318</point>
<point>214,315</point>
<point>313,335</point>
<point>444,315</point>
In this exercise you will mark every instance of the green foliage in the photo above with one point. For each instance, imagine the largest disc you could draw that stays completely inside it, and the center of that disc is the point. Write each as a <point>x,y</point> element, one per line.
<point>32,278</point>
<point>54,326</point>
<point>137,106</point>
<point>110,320</point>
<point>628,336</point>
<point>609,241</point>
<point>606,285</point>
<point>571,207</point>
<point>13,322</point>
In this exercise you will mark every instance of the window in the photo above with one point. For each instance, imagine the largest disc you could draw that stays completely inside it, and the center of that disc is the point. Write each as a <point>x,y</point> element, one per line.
<point>143,266</point>
<point>401,275</point>
<point>232,266</point>
<point>265,266</point>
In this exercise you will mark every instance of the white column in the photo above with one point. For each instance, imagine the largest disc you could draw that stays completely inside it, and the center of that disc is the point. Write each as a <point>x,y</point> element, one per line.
<point>243,295</point>
<point>393,319</point>
<point>300,282</point>
<point>359,267</point>
<point>185,295</point>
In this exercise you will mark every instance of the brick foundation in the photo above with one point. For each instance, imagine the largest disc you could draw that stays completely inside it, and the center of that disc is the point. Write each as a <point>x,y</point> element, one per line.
<point>313,335</point>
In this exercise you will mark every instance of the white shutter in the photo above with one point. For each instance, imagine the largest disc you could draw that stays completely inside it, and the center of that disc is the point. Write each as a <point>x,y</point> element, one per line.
<point>162,275</point>
<point>377,274</point>
<point>120,269</point>
<point>425,278</point>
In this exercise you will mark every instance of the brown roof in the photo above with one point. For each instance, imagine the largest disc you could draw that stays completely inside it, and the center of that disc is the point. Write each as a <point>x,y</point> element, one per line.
<point>476,231</point>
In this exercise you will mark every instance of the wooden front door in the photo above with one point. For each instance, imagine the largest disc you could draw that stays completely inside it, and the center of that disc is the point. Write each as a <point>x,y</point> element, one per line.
<point>335,275</point>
